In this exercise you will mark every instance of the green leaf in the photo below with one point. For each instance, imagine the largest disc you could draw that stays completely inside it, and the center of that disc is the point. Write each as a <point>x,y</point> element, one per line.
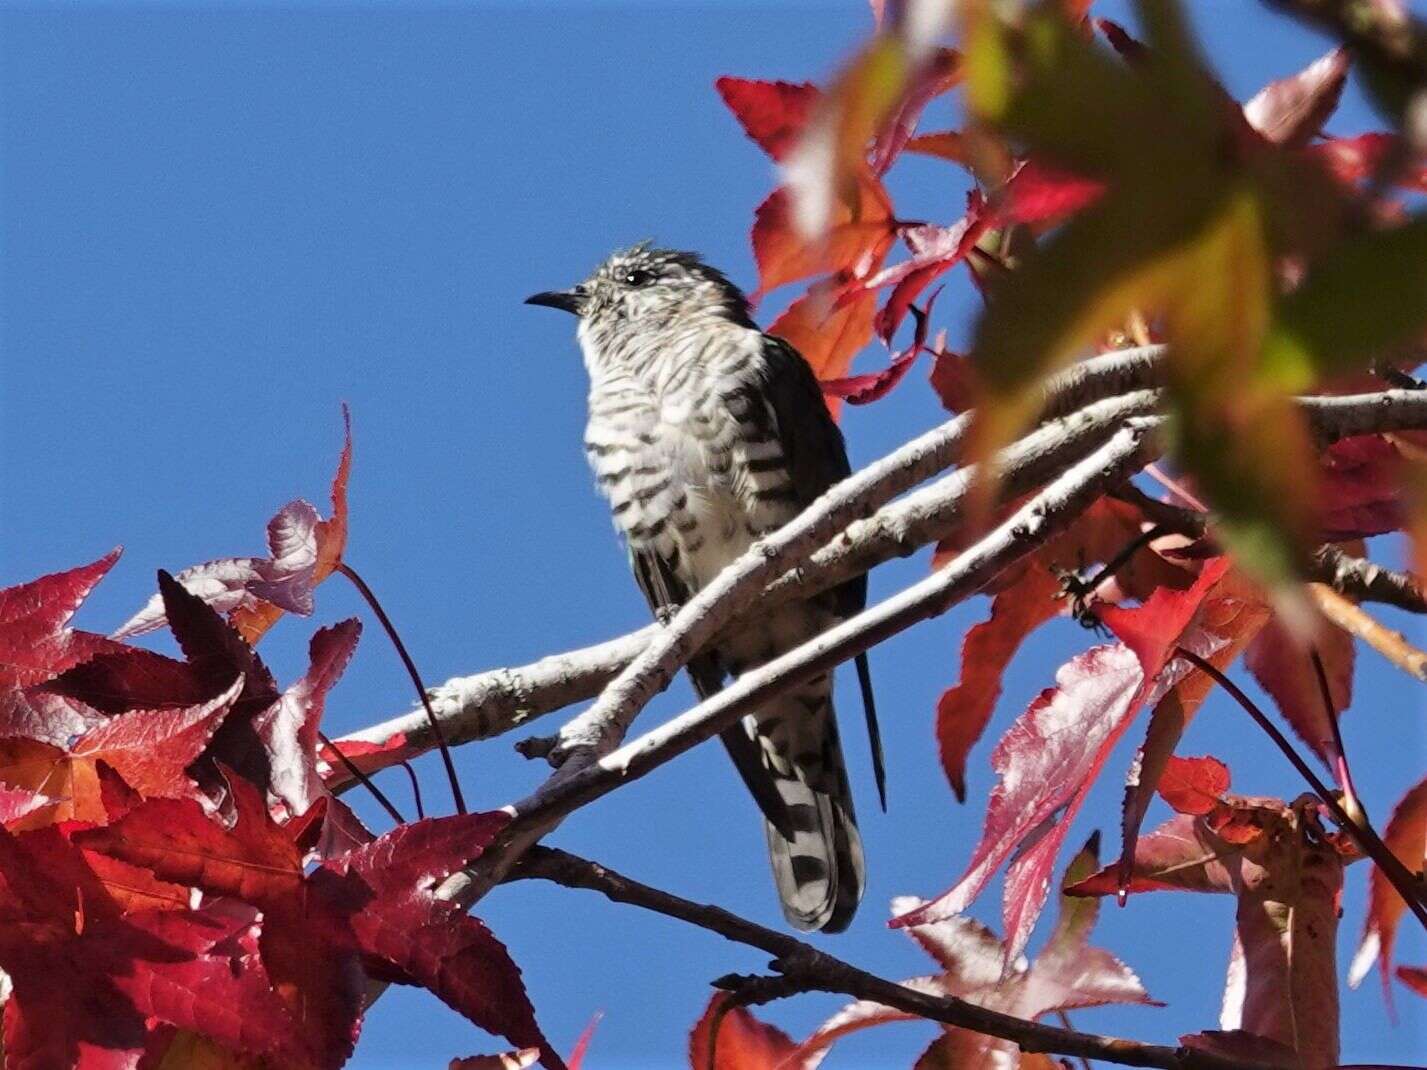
<point>1367,296</point>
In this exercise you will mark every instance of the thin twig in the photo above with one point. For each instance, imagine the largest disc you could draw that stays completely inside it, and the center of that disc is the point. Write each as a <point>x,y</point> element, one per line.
<point>813,970</point>
<point>490,703</point>
<point>415,790</point>
<point>365,780</point>
<point>1355,620</point>
<point>371,598</point>
<point>1362,832</point>
<point>1030,527</point>
<point>1340,753</point>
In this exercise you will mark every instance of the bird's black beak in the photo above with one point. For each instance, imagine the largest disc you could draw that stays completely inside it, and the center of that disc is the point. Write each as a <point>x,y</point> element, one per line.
<point>568,300</point>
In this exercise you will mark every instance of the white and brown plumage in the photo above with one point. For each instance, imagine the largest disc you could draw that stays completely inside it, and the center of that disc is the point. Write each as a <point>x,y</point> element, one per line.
<point>705,434</point>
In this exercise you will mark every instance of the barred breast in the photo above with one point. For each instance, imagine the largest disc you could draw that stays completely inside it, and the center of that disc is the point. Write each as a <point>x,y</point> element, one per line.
<point>688,455</point>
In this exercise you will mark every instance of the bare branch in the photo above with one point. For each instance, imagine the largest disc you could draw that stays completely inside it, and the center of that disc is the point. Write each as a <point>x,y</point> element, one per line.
<point>811,970</point>
<point>587,776</point>
<point>1389,38</point>
<point>491,703</point>
<point>1356,621</point>
<point>1365,581</point>
<point>927,515</point>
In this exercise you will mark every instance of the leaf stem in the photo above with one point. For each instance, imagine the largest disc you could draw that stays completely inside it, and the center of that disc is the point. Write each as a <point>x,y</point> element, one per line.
<point>1361,832</point>
<point>415,790</point>
<point>366,781</point>
<point>371,598</point>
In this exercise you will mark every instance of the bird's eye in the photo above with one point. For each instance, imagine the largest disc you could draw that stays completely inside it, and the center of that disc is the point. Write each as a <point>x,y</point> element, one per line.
<point>637,277</point>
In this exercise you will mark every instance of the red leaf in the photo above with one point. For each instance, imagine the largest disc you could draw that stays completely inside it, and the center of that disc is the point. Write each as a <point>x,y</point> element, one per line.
<point>1414,977</point>
<point>303,942</point>
<point>35,645</point>
<point>953,378</point>
<point>1238,1044</point>
<point>1049,758</point>
<point>1406,837</point>
<point>150,750</point>
<point>1361,489</point>
<point>1282,665</point>
<point>862,389</point>
<point>289,727</point>
<point>511,1060</point>
<point>1292,111</point>
<point>408,935</point>
<point>859,235</point>
<point>938,74</point>
<point>1044,761</point>
<point>1194,785</point>
<point>1182,854</point>
<point>62,934</point>
<point>964,709</point>
<point>828,334</point>
<point>131,678</point>
<point>773,114</point>
<point>217,653</point>
<point>1352,159</point>
<point>742,1042</point>
<point>935,251</point>
<point>1039,194</point>
<point>255,591</point>
<point>945,145</point>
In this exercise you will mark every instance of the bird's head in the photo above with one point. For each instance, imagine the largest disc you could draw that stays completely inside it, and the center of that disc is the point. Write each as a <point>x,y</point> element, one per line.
<point>645,289</point>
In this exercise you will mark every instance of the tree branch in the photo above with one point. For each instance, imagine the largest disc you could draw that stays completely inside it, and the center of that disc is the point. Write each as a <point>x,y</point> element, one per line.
<point>811,970</point>
<point>1368,29</point>
<point>491,703</point>
<point>588,776</point>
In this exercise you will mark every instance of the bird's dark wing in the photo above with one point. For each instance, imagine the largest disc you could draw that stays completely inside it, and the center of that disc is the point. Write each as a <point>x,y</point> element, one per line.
<point>816,456</point>
<point>665,593</point>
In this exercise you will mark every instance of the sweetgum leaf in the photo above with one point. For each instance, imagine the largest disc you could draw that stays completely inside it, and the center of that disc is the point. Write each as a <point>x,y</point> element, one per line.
<point>772,114</point>
<point>742,1042</point>
<point>35,643</point>
<point>1406,837</point>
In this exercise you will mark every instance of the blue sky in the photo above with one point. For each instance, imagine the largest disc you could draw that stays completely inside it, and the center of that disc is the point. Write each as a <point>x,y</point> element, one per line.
<point>219,222</point>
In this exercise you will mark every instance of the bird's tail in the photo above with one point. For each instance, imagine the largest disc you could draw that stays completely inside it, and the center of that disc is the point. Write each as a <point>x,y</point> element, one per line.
<point>813,843</point>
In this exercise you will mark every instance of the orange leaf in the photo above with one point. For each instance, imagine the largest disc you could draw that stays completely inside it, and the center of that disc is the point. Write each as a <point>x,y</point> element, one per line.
<point>827,336</point>
<point>861,231</point>
<point>1194,785</point>
<point>742,1041</point>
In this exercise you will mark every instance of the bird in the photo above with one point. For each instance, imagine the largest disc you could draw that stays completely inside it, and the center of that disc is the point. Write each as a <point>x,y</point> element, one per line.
<point>706,434</point>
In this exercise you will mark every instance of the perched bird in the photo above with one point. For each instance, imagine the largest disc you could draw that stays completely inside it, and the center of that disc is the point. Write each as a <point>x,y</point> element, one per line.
<point>704,434</point>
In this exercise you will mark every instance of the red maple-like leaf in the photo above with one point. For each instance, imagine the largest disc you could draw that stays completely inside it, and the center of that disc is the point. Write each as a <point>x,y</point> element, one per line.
<point>35,644</point>
<point>1284,667</point>
<point>61,932</point>
<point>131,678</point>
<point>303,550</point>
<point>773,114</point>
<point>1067,975</point>
<point>935,250</point>
<point>863,389</point>
<point>1194,785</point>
<point>408,935</point>
<point>938,74</point>
<point>733,1039</point>
<point>1360,487</point>
<point>860,233</point>
<point>371,912</point>
<point>1406,837</point>
<point>1049,758</point>
<point>1353,159</point>
<point>1414,977</point>
<point>289,727</point>
<point>827,333</point>
<point>150,750</point>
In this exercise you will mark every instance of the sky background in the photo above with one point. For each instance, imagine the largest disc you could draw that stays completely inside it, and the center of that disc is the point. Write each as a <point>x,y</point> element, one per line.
<point>218,222</point>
